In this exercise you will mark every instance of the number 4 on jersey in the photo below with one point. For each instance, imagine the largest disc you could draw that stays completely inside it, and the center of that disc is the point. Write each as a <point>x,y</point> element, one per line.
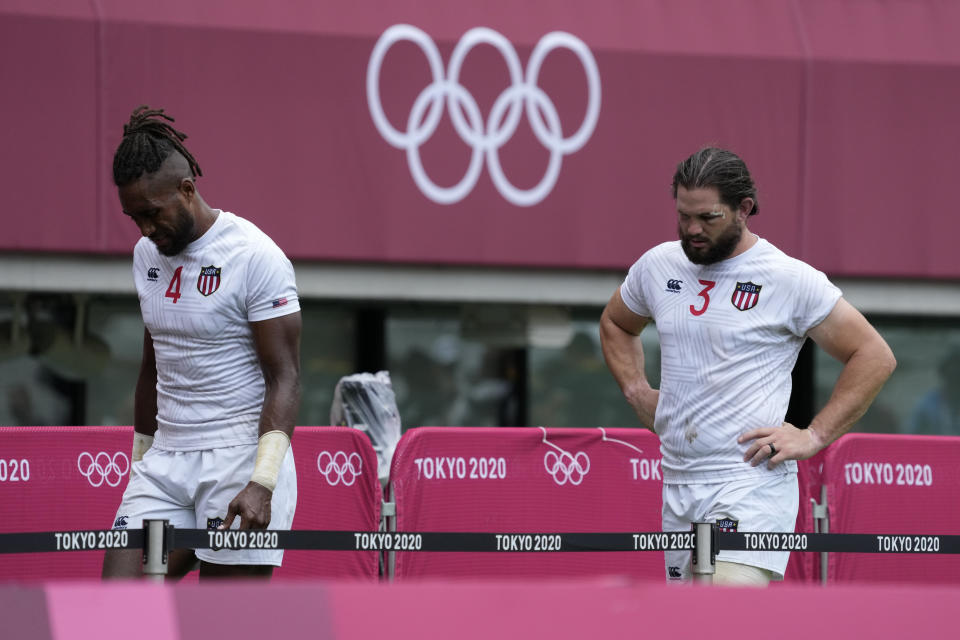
<point>173,290</point>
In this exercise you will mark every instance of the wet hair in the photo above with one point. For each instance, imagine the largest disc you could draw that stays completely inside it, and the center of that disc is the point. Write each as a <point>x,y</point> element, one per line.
<point>147,142</point>
<point>721,169</point>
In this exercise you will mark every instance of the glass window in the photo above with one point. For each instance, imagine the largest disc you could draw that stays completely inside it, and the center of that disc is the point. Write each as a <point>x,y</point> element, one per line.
<point>445,376</point>
<point>570,386</point>
<point>327,352</point>
<point>113,349</point>
<point>74,360</point>
<point>923,394</point>
<point>42,366</point>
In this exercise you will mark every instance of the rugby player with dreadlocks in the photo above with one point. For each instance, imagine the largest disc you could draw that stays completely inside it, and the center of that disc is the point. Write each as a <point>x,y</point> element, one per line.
<point>219,384</point>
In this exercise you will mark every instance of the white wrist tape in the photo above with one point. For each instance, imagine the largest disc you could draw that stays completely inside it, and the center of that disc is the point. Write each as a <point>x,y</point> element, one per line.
<point>271,449</point>
<point>141,442</point>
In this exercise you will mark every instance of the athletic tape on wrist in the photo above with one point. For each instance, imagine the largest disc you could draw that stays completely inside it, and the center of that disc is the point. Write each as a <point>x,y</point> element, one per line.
<point>141,443</point>
<point>271,448</point>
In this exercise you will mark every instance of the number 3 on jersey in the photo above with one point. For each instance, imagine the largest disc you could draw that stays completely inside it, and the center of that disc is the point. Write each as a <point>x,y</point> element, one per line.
<point>173,289</point>
<point>704,293</point>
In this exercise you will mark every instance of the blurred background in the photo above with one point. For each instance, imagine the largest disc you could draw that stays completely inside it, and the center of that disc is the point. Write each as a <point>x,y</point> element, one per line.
<point>469,249</point>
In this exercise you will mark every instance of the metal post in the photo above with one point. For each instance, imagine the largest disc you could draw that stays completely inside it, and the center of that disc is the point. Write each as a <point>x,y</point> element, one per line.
<point>821,524</point>
<point>388,522</point>
<point>155,549</point>
<point>704,554</point>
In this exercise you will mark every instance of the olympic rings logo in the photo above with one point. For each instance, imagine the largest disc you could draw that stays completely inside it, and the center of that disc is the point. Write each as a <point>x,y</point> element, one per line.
<point>102,468</point>
<point>567,467</point>
<point>340,467</point>
<point>484,138</point>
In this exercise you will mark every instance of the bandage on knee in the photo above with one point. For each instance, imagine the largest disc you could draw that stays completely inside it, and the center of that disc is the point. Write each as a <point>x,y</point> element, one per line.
<point>743,575</point>
<point>271,448</point>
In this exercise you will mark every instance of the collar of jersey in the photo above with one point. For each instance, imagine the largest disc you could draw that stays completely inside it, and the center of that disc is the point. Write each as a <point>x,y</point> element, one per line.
<point>210,233</point>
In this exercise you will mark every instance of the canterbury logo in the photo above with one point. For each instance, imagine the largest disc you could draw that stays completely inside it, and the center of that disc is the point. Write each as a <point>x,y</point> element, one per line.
<point>673,286</point>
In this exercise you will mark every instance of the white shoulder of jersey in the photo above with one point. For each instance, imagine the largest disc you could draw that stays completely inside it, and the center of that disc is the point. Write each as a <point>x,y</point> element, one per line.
<point>253,234</point>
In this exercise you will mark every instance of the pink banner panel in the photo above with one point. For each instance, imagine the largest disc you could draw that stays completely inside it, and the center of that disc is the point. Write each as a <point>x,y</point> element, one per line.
<point>805,567</point>
<point>465,135</point>
<point>72,478</point>
<point>60,479</point>
<point>894,484</point>
<point>527,480</point>
<point>337,489</point>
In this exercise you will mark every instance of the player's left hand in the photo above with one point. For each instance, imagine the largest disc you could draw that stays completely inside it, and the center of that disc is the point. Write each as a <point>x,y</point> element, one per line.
<point>252,505</point>
<point>776,444</point>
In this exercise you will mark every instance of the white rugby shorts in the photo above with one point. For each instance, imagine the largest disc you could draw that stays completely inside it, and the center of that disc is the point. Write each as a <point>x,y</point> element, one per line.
<point>768,504</point>
<point>192,490</point>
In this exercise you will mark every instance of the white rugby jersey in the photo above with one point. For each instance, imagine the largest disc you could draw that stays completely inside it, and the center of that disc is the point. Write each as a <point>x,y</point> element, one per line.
<point>197,306</point>
<point>730,334</point>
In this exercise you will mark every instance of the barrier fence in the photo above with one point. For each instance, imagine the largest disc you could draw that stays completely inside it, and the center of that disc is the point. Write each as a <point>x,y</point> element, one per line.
<point>524,480</point>
<point>704,541</point>
<point>465,542</point>
<point>52,477</point>
<point>447,484</point>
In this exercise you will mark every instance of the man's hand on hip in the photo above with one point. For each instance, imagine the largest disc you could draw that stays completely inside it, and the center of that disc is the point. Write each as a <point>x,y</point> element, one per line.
<point>777,444</point>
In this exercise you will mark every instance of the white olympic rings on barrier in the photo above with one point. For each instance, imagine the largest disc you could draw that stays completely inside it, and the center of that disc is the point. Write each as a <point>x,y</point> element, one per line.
<point>339,467</point>
<point>566,467</point>
<point>101,467</point>
<point>503,119</point>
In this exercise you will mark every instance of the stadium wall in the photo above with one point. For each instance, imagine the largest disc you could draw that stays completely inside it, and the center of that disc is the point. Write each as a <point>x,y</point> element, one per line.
<point>844,110</point>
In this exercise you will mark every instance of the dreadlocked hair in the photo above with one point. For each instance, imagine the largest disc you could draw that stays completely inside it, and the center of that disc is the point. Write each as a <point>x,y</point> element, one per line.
<point>147,142</point>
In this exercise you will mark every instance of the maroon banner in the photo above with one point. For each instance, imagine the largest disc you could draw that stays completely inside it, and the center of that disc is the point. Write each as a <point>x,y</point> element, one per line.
<point>72,478</point>
<point>805,567</point>
<point>337,489</point>
<point>60,479</point>
<point>527,480</point>
<point>894,484</point>
<point>528,133</point>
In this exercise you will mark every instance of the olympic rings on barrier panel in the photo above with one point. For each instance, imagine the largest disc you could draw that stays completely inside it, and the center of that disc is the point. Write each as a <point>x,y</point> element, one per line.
<point>339,467</point>
<point>101,467</point>
<point>566,467</point>
<point>485,139</point>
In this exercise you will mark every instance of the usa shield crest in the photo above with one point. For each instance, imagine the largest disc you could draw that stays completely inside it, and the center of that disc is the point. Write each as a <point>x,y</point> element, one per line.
<point>727,524</point>
<point>745,295</point>
<point>209,280</point>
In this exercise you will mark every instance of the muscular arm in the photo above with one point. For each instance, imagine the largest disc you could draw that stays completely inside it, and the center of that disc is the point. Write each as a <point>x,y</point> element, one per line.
<point>277,344</point>
<point>867,363</point>
<point>145,396</point>
<point>620,339</point>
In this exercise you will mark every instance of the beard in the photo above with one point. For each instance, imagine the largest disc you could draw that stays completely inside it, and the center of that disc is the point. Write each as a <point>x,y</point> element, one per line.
<point>181,234</point>
<point>719,249</point>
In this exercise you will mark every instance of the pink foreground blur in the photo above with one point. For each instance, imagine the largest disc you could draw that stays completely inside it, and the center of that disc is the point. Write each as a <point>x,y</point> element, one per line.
<point>480,610</point>
<point>84,610</point>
